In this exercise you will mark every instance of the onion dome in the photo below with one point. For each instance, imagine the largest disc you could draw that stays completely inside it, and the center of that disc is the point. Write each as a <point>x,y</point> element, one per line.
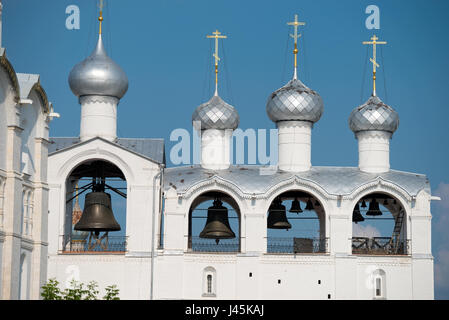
<point>374,115</point>
<point>98,75</point>
<point>295,101</point>
<point>216,114</point>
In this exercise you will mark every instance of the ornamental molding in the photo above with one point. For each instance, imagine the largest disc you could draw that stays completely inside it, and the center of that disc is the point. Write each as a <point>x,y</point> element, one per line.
<point>296,182</point>
<point>211,183</point>
<point>376,185</point>
<point>65,258</point>
<point>366,134</point>
<point>98,99</point>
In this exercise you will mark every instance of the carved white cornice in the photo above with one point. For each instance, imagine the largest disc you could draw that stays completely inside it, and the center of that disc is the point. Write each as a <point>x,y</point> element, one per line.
<point>377,185</point>
<point>293,182</point>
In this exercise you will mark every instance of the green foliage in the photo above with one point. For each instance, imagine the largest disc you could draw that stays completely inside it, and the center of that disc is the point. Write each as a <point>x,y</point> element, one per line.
<point>50,290</point>
<point>77,291</point>
<point>111,293</point>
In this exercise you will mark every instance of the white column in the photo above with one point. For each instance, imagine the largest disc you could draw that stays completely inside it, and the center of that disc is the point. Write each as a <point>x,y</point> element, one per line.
<point>374,151</point>
<point>294,145</point>
<point>98,117</point>
<point>215,149</point>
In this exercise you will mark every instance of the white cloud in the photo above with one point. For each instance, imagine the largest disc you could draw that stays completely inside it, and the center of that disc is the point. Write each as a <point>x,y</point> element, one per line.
<point>361,231</point>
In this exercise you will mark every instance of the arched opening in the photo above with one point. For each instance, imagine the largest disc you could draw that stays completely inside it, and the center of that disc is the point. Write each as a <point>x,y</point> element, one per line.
<point>296,224</point>
<point>95,206</point>
<point>214,223</point>
<point>378,225</point>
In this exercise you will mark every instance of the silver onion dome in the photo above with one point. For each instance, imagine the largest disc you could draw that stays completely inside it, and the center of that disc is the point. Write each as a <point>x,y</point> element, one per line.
<point>374,115</point>
<point>216,114</point>
<point>98,75</point>
<point>295,101</point>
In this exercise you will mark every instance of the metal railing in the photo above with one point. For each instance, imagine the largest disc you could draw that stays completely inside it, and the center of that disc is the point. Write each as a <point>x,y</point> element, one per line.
<point>380,246</point>
<point>197,244</point>
<point>297,245</point>
<point>111,244</point>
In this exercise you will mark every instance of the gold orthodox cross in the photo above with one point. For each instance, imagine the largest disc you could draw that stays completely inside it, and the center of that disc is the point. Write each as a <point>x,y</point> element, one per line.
<point>295,36</point>
<point>373,60</point>
<point>216,35</point>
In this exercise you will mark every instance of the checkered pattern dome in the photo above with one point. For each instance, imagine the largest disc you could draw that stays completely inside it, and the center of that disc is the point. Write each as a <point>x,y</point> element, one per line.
<point>374,115</point>
<point>295,101</point>
<point>216,114</point>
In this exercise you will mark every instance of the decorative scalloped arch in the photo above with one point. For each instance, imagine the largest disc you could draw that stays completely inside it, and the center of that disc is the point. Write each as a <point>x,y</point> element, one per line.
<point>295,183</point>
<point>215,184</point>
<point>380,185</point>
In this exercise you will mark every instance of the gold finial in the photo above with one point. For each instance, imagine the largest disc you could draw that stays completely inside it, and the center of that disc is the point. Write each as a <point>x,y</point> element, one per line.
<point>295,36</point>
<point>100,18</point>
<point>374,42</point>
<point>217,35</point>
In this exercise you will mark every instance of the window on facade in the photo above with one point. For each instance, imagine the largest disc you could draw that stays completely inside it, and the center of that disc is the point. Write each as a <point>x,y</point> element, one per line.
<point>379,284</point>
<point>378,287</point>
<point>209,283</point>
<point>27,212</point>
<point>209,280</point>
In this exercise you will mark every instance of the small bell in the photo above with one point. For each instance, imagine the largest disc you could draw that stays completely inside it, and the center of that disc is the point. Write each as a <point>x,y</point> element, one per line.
<point>356,215</point>
<point>296,206</point>
<point>373,209</point>
<point>309,205</point>
<point>363,204</point>
<point>277,216</point>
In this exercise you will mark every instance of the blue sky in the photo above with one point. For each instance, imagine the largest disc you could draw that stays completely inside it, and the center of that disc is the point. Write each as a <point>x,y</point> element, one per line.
<point>162,47</point>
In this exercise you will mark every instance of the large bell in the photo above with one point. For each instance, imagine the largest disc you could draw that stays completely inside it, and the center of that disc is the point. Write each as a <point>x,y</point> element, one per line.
<point>373,209</point>
<point>217,224</point>
<point>97,214</point>
<point>356,215</point>
<point>277,216</point>
<point>296,206</point>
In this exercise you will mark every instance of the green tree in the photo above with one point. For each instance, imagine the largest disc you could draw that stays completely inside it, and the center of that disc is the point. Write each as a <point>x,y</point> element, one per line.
<point>77,291</point>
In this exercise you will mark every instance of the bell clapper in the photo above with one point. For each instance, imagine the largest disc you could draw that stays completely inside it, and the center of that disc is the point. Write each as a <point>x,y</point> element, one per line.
<point>95,241</point>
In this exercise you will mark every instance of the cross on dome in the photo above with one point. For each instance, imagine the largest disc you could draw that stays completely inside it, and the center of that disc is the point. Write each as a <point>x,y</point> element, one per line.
<point>295,36</point>
<point>216,35</point>
<point>373,60</point>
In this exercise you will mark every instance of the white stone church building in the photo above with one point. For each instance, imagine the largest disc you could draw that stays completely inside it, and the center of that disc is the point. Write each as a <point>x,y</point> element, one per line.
<point>210,231</point>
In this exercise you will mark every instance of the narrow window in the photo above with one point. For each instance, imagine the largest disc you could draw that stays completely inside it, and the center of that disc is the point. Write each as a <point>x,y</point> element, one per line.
<point>250,274</point>
<point>209,283</point>
<point>378,287</point>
